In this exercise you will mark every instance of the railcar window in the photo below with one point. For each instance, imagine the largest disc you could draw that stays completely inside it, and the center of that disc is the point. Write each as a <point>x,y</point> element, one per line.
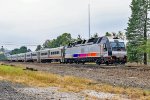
<point>44,54</point>
<point>55,53</point>
<point>28,55</point>
<point>34,54</point>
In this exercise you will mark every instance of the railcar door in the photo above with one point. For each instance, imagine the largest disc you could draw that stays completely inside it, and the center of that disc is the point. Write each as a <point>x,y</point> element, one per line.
<point>38,57</point>
<point>103,50</point>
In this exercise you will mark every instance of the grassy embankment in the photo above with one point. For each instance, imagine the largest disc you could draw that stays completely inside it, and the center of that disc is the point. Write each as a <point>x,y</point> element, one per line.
<point>66,83</point>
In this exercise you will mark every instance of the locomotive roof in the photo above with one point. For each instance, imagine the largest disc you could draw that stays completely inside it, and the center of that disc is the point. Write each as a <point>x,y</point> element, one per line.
<point>84,42</point>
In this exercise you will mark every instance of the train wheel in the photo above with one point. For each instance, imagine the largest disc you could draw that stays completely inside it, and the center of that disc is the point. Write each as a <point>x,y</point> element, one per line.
<point>107,63</point>
<point>83,62</point>
<point>98,62</point>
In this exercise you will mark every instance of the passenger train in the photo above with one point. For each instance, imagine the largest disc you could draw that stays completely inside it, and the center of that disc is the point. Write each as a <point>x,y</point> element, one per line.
<point>101,50</point>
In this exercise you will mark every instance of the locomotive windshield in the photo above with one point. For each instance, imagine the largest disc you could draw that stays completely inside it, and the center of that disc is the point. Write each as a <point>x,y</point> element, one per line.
<point>118,46</point>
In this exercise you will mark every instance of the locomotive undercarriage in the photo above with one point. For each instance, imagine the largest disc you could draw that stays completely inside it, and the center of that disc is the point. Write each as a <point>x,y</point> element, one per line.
<point>97,60</point>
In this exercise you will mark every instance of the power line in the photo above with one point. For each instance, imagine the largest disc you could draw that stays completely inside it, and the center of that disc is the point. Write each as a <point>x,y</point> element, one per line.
<point>14,44</point>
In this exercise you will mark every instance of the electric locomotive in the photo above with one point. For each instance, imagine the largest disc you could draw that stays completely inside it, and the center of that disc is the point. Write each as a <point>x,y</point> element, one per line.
<point>101,50</point>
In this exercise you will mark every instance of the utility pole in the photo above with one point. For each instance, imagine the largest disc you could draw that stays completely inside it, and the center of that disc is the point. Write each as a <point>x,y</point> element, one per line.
<point>89,15</point>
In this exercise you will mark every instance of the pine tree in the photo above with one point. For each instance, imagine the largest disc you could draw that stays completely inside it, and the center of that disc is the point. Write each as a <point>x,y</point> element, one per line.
<point>146,20</point>
<point>137,30</point>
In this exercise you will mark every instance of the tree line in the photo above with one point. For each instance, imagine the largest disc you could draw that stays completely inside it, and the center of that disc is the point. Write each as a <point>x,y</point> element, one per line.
<point>22,49</point>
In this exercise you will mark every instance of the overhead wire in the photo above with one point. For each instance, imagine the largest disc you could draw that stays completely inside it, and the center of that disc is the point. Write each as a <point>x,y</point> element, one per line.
<point>16,44</point>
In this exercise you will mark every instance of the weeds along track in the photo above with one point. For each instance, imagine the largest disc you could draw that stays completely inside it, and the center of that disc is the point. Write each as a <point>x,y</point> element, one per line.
<point>138,77</point>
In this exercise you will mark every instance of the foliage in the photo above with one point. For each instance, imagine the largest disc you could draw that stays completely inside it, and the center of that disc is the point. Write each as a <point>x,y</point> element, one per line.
<point>61,40</point>
<point>2,49</point>
<point>121,35</point>
<point>95,35</point>
<point>39,47</point>
<point>79,37</point>
<point>2,57</point>
<point>146,48</point>
<point>108,34</point>
<point>29,50</point>
<point>22,49</point>
<point>137,30</point>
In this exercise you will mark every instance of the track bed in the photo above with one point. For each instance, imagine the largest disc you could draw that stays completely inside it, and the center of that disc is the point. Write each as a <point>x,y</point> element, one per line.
<point>138,77</point>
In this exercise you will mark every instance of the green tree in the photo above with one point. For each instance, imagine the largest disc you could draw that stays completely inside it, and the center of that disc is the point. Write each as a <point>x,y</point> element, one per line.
<point>39,47</point>
<point>46,44</point>
<point>2,57</point>
<point>108,34</point>
<point>137,30</point>
<point>61,40</point>
<point>29,50</point>
<point>2,49</point>
<point>95,35</point>
<point>146,48</point>
<point>15,51</point>
<point>22,49</point>
<point>79,37</point>
<point>121,35</point>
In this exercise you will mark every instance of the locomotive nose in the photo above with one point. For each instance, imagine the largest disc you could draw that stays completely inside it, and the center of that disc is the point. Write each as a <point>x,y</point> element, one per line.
<point>119,54</point>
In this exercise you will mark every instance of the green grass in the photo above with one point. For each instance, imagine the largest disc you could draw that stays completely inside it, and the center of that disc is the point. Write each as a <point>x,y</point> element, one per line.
<point>66,83</point>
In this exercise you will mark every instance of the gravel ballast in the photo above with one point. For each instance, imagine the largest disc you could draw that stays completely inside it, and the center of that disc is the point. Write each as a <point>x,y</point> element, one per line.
<point>138,77</point>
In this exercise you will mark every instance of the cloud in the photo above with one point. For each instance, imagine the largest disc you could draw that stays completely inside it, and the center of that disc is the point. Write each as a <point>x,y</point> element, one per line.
<point>34,21</point>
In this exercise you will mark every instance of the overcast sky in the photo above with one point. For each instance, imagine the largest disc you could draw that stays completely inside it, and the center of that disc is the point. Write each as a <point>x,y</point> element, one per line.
<point>34,21</point>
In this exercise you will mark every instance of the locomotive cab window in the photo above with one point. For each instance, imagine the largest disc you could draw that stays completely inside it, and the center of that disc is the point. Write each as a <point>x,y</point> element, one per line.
<point>118,46</point>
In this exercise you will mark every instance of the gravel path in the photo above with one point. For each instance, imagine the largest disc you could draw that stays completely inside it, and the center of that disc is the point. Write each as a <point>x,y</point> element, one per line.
<point>122,76</point>
<point>10,91</point>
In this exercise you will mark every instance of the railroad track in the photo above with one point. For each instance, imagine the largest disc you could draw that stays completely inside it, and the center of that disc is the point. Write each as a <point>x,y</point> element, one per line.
<point>89,65</point>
